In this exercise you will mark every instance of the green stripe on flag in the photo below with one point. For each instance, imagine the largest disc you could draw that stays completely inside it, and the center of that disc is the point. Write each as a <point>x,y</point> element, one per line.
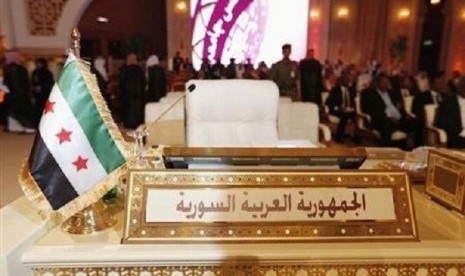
<point>75,91</point>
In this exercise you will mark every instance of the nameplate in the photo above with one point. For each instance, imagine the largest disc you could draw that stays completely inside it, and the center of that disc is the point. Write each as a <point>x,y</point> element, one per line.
<point>175,206</point>
<point>445,180</point>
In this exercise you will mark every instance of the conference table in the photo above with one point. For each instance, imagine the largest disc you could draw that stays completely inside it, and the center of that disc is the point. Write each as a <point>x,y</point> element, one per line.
<point>439,251</point>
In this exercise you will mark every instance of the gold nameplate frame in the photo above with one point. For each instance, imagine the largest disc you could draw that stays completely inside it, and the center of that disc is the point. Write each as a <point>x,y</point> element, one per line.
<point>445,181</point>
<point>178,206</point>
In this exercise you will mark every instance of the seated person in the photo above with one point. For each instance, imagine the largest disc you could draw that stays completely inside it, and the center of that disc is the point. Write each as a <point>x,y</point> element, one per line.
<point>430,96</point>
<point>385,110</point>
<point>450,116</point>
<point>341,103</point>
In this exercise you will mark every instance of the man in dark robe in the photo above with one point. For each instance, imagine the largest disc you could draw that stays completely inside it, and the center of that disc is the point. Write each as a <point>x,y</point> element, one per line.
<point>132,88</point>
<point>156,79</point>
<point>311,78</point>
<point>42,83</point>
<point>19,106</point>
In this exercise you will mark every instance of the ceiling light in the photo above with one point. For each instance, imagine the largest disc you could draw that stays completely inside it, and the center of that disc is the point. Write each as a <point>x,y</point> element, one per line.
<point>343,12</point>
<point>102,19</point>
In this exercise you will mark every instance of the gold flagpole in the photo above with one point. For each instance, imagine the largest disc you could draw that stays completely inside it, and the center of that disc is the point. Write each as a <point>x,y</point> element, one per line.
<point>96,217</point>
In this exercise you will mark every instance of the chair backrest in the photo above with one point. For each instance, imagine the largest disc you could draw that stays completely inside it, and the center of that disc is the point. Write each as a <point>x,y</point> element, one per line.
<point>324,97</point>
<point>232,113</point>
<point>154,110</point>
<point>298,120</point>
<point>169,130</point>
<point>285,100</point>
<point>358,110</point>
<point>408,101</point>
<point>430,114</point>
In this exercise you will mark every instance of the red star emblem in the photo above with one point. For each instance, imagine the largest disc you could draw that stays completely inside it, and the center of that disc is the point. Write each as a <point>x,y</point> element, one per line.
<point>64,136</point>
<point>81,163</point>
<point>49,107</point>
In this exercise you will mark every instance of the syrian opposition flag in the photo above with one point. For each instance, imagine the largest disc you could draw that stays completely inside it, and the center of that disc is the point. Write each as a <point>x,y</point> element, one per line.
<point>78,153</point>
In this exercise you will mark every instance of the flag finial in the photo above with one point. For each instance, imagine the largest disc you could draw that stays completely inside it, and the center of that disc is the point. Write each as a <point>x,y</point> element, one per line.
<point>76,42</point>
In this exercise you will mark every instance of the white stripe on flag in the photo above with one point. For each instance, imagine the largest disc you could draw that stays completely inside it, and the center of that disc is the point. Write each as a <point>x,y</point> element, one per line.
<point>67,152</point>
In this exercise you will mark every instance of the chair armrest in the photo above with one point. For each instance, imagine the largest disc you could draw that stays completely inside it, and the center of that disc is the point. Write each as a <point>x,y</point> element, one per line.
<point>441,134</point>
<point>325,134</point>
<point>362,120</point>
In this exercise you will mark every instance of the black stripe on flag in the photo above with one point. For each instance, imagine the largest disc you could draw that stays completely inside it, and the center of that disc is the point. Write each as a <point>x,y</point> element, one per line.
<point>48,175</point>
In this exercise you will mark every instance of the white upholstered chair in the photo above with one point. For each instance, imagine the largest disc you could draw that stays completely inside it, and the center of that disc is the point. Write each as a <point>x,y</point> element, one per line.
<point>331,118</point>
<point>232,113</point>
<point>433,135</point>
<point>169,130</point>
<point>301,121</point>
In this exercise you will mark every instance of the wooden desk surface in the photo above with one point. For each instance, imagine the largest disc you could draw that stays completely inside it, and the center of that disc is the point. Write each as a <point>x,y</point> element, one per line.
<point>441,248</point>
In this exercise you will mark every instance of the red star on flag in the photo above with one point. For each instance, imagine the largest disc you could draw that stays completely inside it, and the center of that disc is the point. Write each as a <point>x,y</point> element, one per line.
<point>81,163</point>
<point>49,107</point>
<point>64,136</point>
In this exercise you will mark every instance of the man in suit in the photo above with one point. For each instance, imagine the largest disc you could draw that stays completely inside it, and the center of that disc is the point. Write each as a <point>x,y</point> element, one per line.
<point>450,116</point>
<point>431,96</point>
<point>385,109</point>
<point>341,103</point>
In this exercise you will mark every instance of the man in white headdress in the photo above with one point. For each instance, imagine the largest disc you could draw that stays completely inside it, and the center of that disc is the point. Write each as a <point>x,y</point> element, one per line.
<point>100,71</point>
<point>156,79</point>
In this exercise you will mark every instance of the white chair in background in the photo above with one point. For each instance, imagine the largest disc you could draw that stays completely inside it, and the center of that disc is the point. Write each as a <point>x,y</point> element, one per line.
<point>285,100</point>
<point>408,102</point>
<point>433,135</point>
<point>169,130</point>
<point>227,113</point>
<point>301,121</point>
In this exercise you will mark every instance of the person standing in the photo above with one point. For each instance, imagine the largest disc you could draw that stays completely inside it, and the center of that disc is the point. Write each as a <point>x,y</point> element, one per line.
<point>156,79</point>
<point>42,83</point>
<point>230,71</point>
<point>100,71</point>
<point>19,107</point>
<point>132,88</point>
<point>285,73</point>
<point>311,78</point>
<point>177,62</point>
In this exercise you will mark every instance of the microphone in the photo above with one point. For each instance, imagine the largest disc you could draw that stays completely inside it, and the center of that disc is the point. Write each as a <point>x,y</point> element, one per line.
<point>190,89</point>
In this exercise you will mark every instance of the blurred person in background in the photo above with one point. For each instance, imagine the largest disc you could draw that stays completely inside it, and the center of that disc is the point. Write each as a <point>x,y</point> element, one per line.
<point>20,112</point>
<point>42,83</point>
<point>311,78</point>
<point>178,62</point>
<point>286,74</point>
<point>341,103</point>
<point>3,91</point>
<point>100,71</point>
<point>132,88</point>
<point>450,116</point>
<point>156,79</point>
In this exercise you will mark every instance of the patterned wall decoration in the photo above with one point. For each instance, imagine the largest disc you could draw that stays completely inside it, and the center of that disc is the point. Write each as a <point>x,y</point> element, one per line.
<point>44,16</point>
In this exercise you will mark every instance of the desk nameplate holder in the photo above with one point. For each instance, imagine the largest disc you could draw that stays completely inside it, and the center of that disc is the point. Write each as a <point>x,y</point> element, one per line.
<point>185,206</point>
<point>445,181</point>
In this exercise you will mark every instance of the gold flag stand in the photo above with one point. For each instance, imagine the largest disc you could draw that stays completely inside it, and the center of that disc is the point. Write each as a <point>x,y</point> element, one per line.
<point>96,217</point>
<point>91,219</point>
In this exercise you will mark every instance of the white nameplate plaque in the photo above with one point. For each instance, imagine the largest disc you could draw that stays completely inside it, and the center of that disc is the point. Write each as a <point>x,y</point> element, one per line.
<point>216,206</point>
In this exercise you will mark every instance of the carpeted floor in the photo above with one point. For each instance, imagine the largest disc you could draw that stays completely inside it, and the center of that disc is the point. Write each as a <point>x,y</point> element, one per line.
<point>13,149</point>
